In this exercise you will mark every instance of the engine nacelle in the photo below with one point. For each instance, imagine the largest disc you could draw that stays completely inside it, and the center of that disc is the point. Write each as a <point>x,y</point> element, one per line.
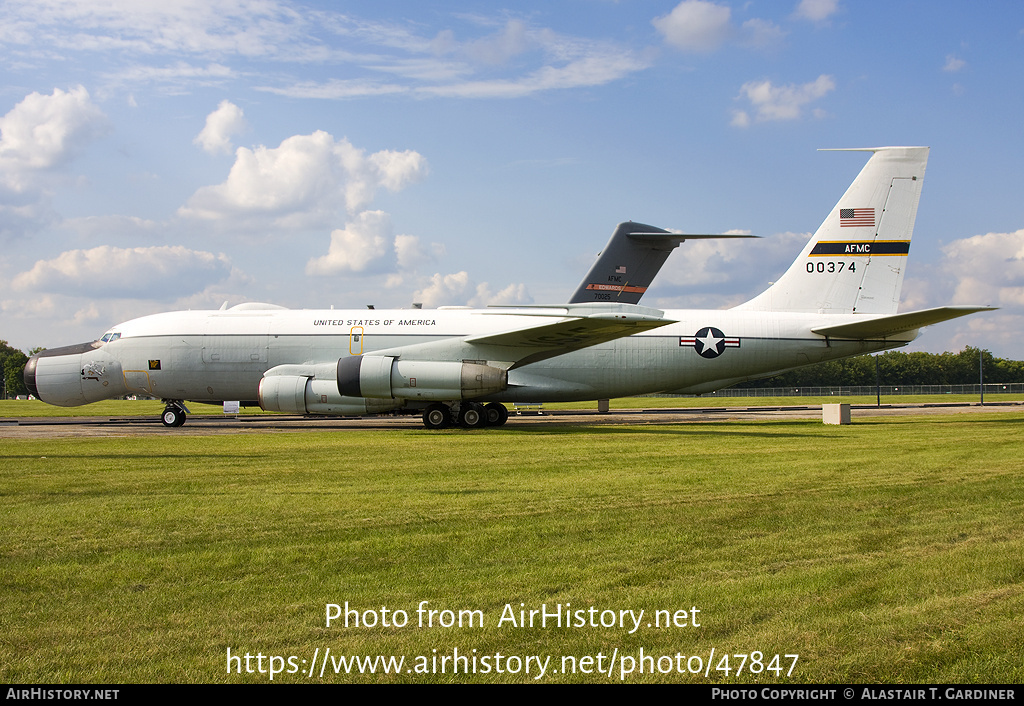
<point>386,377</point>
<point>297,394</point>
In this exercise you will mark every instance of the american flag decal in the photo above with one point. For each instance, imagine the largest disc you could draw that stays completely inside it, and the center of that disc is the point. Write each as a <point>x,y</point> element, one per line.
<point>856,217</point>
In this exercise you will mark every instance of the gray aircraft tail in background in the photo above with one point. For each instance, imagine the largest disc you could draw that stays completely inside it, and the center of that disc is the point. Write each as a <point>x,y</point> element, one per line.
<point>630,261</point>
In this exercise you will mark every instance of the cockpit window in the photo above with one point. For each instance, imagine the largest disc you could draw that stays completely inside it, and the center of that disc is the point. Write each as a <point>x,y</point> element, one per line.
<point>110,336</point>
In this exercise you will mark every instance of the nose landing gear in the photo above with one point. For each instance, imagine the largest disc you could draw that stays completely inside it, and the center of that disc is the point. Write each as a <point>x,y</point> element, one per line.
<point>174,413</point>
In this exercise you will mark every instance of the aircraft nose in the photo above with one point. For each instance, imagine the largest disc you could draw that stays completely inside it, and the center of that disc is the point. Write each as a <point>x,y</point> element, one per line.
<point>57,376</point>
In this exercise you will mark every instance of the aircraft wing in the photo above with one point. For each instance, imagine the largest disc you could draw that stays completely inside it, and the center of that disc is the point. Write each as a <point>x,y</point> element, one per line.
<point>885,326</point>
<point>586,325</point>
<point>560,330</point>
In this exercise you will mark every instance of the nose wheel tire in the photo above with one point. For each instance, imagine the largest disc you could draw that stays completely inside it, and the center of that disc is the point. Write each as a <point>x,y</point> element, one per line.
<point>173,417</point>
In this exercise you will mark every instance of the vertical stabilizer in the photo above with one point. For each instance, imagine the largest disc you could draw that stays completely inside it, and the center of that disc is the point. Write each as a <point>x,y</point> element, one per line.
<point>855,262</point>
<point>630,261</point>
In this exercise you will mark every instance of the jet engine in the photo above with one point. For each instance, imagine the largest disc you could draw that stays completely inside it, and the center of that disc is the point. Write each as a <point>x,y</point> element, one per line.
<point>298,394</point>
<point>387,377</point>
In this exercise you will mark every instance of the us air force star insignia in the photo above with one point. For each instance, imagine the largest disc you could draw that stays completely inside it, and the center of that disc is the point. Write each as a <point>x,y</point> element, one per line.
<point>710,342</point>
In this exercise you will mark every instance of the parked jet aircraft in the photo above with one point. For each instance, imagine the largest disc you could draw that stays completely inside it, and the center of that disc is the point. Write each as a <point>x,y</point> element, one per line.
<point>458,365</point>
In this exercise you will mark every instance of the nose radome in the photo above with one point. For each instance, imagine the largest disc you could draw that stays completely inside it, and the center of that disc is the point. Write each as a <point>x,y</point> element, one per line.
<point>55,375</point>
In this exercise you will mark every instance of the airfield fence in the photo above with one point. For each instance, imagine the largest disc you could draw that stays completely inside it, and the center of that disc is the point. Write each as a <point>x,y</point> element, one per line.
<point>865,390</point>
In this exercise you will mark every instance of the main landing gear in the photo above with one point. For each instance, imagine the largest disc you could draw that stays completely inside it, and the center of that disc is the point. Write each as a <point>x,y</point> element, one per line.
<point>174,413</point>
<point>470,415</point>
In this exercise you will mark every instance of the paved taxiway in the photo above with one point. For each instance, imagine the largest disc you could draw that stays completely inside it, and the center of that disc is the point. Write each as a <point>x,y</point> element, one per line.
<point>200,424</point>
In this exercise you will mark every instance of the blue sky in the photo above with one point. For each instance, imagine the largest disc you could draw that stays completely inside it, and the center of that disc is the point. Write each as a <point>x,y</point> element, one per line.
<point>161,156</point>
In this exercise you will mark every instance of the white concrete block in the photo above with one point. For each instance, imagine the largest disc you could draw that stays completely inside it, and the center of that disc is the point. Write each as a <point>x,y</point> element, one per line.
<point>835,413</point>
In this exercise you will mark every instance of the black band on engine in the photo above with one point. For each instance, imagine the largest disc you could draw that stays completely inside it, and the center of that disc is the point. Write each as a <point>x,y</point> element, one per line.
<point>348,376</point>
<point>30,376</point>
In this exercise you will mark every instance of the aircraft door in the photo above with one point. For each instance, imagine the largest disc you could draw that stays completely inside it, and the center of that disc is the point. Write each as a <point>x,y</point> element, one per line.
<point>137,381</point>
<point>355,340</point>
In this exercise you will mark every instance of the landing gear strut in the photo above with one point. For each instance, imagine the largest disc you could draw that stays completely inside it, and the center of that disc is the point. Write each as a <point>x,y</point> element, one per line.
<point>174,414</point>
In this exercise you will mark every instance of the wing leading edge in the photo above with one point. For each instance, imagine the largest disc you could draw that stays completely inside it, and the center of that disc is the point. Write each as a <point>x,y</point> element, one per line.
<point>578,326</point>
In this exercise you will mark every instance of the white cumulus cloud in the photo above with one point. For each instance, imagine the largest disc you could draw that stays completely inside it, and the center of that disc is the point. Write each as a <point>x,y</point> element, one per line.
<point>303,182</point>
<point>771,102</point>
<point>509,296</point>
<point>43,132</point>
<point>163,272</point>
<point>458,289</point>
<point>982,270</point>
<point>221,125</point>
<point>410,252</point>
<point>817,10</point>
<point>445,290</point>
<point>366,245</point>
<point>695,25</point>
<point>988,269</point>
<point>356,247</point>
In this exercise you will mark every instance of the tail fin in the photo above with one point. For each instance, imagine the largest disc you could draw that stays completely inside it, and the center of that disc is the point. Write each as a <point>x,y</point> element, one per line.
<point>855,262</point>
<point>630,261</point>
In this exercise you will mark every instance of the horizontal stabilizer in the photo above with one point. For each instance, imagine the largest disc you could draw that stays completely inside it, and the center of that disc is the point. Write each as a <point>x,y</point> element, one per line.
<point>886,326</point>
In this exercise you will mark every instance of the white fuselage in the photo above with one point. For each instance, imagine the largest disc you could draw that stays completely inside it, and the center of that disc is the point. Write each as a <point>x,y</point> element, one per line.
<point>213,356</point>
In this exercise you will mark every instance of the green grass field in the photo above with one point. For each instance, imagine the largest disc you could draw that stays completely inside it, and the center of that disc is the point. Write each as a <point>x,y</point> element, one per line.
<point>891,550</point>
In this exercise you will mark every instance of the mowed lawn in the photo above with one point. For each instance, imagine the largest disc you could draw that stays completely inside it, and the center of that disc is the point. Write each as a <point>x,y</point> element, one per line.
<point>891,550</point>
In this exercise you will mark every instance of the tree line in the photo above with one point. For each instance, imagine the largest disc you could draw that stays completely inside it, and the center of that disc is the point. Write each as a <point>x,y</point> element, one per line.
<point>899,368</point>
<point>12,362</point>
